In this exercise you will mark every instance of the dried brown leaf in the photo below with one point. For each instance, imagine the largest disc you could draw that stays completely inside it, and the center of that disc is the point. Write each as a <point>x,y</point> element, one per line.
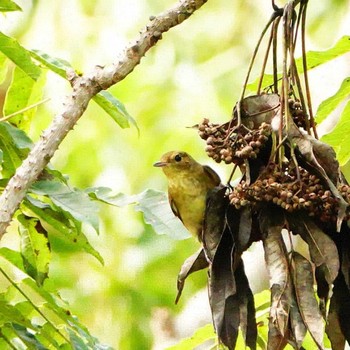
<point>222,288</point>
<point>333,329</point>
<point>275,340</point>
<point>214,220</point>
<point>297,327</point>
<point>323,250</point>
<point>271,225</point>
<point>194,263</point>
<point>305,296</point>
<point>319,158</point>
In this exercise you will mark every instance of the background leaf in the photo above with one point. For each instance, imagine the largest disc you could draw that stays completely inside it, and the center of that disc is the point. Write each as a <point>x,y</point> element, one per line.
<point>19,55</point>
<point>8,6</point>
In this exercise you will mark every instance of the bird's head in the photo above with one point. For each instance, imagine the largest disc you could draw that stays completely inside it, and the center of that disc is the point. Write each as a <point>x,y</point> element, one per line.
<point>175,161</point>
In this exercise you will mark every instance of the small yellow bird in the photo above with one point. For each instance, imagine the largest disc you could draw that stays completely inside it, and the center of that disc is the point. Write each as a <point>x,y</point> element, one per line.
<point>188,185</point>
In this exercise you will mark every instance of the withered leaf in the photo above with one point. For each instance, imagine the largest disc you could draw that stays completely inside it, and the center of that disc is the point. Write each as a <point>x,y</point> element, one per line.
<point>246,307</point>
<point>257,109</point>
<point>242,240</point>
<point>341,304</point>
<point>333,329</point>
<point>297,327</point>
<point>271,224</point>
<point>319,158</point>
<point>194,263</point>
<point>307,303</point>
<point>323,250</point>
<point>214,220</point>
<point>275,340</point>
<point>222,288</point>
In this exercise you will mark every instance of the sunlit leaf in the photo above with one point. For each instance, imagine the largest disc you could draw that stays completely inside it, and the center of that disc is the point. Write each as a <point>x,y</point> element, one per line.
<point>22,92</point>
<point>306,301</point>
<point>19,55</point>
<point>331,103</point>
<point>3,67</point>
<point>201,336</point>
<point>13,257</point>
<point>156,210</point>
<point>57,65</point>
<point>8,6</point>
<point>28,338</point>
<point>113,107</point>
<point>339,137</point>
<point>34,248</point>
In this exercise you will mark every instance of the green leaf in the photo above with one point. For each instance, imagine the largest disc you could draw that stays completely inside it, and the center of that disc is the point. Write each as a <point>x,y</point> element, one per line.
<point>19,55</point>
<point>58,224</point>
<point>9,314</point>
<point>155,207</point>
<point>330,104</point>
<point>313,58</point>
<point>14,145</point>
<point>34,248</point>
<point>201,335</point>
<point>28,338</point>
<point>339,137</point>
<point>56,65</point>
<point>15,258</point>
<point>3,68</point>
<point>115,109</point>
<point>22,93</point>
<point>75,202</point>
<point>8,6</point>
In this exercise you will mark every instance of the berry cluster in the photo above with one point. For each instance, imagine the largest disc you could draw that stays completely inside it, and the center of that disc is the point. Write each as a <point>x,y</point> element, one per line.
<point>291,189</point>
<point>231,143</point>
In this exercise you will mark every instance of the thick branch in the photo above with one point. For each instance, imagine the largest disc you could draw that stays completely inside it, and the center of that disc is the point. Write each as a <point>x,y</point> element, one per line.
<point>84,88</point>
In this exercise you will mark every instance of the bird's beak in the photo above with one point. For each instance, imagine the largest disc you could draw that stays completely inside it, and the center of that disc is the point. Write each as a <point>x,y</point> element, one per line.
<point>160,164</point>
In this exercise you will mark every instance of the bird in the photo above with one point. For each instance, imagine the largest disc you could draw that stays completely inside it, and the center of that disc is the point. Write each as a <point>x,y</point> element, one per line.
<point>188,185</point>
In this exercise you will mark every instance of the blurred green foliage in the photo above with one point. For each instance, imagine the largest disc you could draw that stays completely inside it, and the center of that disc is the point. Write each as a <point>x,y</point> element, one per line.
<point>195,71</point>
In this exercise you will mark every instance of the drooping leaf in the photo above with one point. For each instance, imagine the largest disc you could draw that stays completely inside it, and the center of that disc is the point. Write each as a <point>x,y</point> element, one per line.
<point>333,328</point>
<point>247,322</point>
<point>330,104</point>
<point>243,239</point>
<point>156,210</point>
<point>271,224</point>
<point>58,224</point>
<point>214,220</point>
<point>338,138</point>
<point>35,248</point>
<point>22,92</point>
<point>297,327</point>
<point>114,108</point>
<point>9,6</point>
<point>323,250</point>
<point>305,296</point>
<point>57,65</point>
<point>222,289</point>
<point>195,262</point>
<point>19,55</point>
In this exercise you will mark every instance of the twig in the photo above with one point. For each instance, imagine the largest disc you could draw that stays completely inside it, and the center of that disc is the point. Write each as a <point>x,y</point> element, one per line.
<point>84,88</point>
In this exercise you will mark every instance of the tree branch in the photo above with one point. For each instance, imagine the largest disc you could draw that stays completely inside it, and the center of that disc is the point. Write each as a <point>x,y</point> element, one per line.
<point>83,89</point>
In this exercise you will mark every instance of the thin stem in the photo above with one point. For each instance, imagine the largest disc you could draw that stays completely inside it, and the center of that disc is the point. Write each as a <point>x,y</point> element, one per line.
<point>307,88</point>
<point>32,304</point>
<point>265,62</point>
<point>274,45</point>
<point>24,109</point>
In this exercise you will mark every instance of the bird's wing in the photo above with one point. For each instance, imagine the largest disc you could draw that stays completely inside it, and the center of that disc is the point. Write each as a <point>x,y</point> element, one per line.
<point>174,207</point>
<point>212,174</point>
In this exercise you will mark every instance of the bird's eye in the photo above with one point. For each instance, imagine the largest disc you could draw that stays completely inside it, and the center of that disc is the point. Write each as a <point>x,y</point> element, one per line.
<point>178,158</point>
